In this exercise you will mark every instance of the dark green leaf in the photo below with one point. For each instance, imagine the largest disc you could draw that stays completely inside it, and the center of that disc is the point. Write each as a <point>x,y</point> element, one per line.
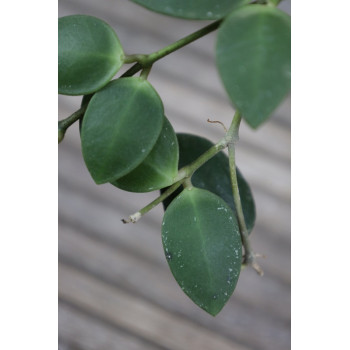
<point>120,127</point>
<point>192,9</point>
<point>158,169</point>
<point>84,102</point>
<point>253,58</point>
<point>214,175</point>
<point>89,54</point>
<point>203,247</point>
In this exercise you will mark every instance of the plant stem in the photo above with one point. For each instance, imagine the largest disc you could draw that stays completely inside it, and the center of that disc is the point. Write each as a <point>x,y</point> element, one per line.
<point>64,124</point>
<point>184,176</point>
<point>153,57</point>
<point>145,72</point>
<point>135,217</point>
<point>250,256</point>
<point>133,70</point>
<point>188,170</point>
<point>144,61</point>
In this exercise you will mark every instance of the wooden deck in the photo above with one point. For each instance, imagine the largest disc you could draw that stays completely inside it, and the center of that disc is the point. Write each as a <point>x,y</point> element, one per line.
<point>115,288</point>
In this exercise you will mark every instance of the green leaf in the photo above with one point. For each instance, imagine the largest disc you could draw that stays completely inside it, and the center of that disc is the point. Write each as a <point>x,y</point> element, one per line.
<point>158,169</point>
<point>192,9</point>
<point>214,176</point>
<point>203,247</point>
<point>253,58</point>
<point>84,102</point>
<point>120,127</point>
<point>89,54</point>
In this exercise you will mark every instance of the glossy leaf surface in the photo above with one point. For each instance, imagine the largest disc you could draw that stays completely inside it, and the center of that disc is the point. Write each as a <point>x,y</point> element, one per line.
<point>214,175</point>
<point>120,127</point>
<point>158,169</point>
<point>89,54</point>
<point>203,247</point>
<point>253,58</point>
<point>192,9</point>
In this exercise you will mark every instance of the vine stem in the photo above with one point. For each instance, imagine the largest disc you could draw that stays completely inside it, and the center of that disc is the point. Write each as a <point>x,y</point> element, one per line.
<point>183,177</point>
<point>64,124</point>
<point>144,61</point>
<point>233,136</point>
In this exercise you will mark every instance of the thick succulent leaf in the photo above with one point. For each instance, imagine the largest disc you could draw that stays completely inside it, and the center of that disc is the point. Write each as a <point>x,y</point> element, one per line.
<point>203,247</point>
<point>253,59</point>
<point>89,54</point>
<point>158,169</point>
<point>120,127</point>
<point>192,9</point>
<point>214,176</point>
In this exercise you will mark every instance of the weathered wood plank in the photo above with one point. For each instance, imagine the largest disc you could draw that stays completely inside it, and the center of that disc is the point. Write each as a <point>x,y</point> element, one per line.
<point>123,267</point>
<point>136,315</point>
<point>79,330</point>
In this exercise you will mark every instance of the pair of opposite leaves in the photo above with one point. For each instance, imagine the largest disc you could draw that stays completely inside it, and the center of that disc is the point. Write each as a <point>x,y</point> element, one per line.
<point>252,52</point>
<point>200,233</point>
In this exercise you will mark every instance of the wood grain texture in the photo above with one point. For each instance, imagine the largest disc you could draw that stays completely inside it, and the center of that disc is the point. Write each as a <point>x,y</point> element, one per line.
<point>115,288</point>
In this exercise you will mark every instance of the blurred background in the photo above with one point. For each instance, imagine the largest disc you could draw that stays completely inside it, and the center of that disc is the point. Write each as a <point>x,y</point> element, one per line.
<point>115,288</point>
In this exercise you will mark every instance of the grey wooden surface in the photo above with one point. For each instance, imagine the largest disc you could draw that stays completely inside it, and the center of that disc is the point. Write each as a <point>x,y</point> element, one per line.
<point>115,288</point>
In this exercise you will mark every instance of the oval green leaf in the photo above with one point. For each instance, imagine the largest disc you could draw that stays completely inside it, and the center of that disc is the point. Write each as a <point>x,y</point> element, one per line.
<point>253,59</point>
<point>192,9</point>
<point>158,169</point>
<point>89,54</point>
<point>120,127</point>
<point>203,247</point>
<point>214,176</point>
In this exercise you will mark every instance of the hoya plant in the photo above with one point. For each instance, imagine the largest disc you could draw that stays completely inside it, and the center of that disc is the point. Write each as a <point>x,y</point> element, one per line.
<point>128,141</point>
